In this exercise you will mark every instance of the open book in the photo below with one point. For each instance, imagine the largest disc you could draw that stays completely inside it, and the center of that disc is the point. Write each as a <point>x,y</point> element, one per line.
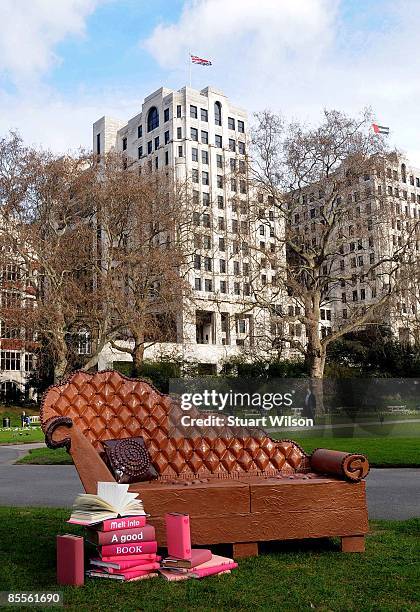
<point>112,500</point>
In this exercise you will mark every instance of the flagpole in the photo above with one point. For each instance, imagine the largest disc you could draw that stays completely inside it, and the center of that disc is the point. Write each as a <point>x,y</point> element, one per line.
<point>189,63</point>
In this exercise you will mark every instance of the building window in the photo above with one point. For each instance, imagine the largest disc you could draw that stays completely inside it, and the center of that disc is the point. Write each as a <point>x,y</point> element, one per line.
<point>241,126</point>
<point>196,219</point>
<point>208,285</point>
<point>222,266</point>
<point>156,163</point>
<point>207,242</point>
<point>206,199</point>
<point>205,157</point>
<point>98,144</point>
<point>204,114</point>
<point>204,137</point>
<point>205,178</point>
<point>197,261</point>
<point>178,111</point>
<point>218,141</point>
<point>149,147</point>
<point>220,202</point>
<point>232,145</point>
<point>221,223</point>
<point>236,268</point>
<point>219,181</point>
<point>124,143</point>
<point>219,161</point>
<point>222,246</point>
<point>152,119</point>
<point>139,131</point>
<point>236,288</point>
<point>29,362</point>
<point>206,220</point>
<point>231,123</point>
<point>235,226</point>
<point>241,147</point>
<point>194,175</point>
<point>232,163</point>
<point>157,142</point>
<point>223,287</point>
<point>207,264</point>
<point>217,113</point>
<point>193,112</point>
<point>167,137</point>
<point>181,153</point>
<point>179,132</point>
<point>166,158</point>
<point>10,361</point>
<point>233,185</point>
<point>194,134</point>
<point>197,284</point>
<point>194,154</point>
<point>166,115</point>
<point>140,152</point>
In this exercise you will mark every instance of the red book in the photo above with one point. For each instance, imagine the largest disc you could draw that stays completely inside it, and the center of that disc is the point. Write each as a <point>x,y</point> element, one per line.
<point>122,536</point>
<point>178,536</point>
<point>128,522</point>
<point>111,550</point>
<point>125,565</point>
<point>70,560</point>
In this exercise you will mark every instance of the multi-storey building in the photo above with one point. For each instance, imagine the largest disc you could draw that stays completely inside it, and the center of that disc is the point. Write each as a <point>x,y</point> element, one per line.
<point>202,138</point>
<point>379,228</point>
<point>17,341</point>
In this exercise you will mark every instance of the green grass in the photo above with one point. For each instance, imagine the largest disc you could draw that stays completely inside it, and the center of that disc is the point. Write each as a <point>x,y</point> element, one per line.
<point>46,456</point>
<point>288,576</point>
<point>21,436</point>
<point>14,412</point>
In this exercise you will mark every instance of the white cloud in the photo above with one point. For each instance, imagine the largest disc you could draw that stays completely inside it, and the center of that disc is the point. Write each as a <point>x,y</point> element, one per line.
<point>30,29</point>
<point>302,56</point>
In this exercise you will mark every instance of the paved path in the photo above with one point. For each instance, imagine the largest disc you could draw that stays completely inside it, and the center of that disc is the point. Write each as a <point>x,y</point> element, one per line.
<point>9,453</point>
<point>392,493</point>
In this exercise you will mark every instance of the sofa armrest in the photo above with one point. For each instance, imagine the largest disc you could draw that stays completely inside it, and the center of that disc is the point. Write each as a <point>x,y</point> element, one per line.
<point>350,466</point>
<point>61,432</point>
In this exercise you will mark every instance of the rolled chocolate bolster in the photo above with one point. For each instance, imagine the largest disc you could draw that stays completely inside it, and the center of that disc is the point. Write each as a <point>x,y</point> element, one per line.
<point>350,466</point>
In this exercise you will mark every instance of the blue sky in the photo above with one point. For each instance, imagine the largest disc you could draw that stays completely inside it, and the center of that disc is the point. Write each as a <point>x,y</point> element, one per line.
<point>64,64</point>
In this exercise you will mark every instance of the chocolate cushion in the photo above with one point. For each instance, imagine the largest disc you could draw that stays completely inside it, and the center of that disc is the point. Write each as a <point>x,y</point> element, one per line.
<point>129,460</point>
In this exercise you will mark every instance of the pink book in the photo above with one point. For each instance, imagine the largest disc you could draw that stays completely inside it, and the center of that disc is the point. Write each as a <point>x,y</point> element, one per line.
<point>131,522</point>
<point>145,567</point>
<point>128,549</point>
<point>125,565</point>
<point>210,571</point>
<point>70,560</point>
<point>119,558</point>
<point>178,536</point>
<point>121,536</point>
<point>174,576</point>
<point>112,524</point>
<point>215,561</point>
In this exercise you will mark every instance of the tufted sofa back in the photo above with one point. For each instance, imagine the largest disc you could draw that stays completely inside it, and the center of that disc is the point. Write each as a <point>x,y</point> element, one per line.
<point>107,405</point>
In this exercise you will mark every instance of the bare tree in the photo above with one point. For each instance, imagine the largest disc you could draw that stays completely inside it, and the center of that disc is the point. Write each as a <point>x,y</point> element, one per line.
<point>45,230</point>
<point>320,198</point>
<point>143,255</point>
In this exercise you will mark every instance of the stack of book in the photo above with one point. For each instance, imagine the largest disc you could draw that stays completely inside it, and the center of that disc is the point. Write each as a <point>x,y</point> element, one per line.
<point>126,548</point>
<point>184,562</point>
<point>116,525</point>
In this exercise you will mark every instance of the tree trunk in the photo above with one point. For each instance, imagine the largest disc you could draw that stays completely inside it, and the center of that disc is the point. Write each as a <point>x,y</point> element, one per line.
<point>60,367</point>
<point>138,358</point>
<point>315,351</point>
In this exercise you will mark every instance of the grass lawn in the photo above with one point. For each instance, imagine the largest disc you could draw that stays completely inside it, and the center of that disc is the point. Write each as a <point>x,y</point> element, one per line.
<point>21,436</point>
<point>287,576</point>
<point>46,456</point>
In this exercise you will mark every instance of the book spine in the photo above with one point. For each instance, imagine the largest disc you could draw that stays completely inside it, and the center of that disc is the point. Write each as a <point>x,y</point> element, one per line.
<point>210,571</point>
<point>123,523</point>
<point>178,535</point>
<point>70,560</point>
<point>123,536</point>
<point>128,549</point>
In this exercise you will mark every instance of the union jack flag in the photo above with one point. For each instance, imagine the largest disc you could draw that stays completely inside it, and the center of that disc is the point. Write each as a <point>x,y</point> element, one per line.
<point>199,60</point>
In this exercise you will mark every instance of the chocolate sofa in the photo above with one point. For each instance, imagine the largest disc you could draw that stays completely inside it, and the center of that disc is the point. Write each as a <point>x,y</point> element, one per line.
<point>236,490</point>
